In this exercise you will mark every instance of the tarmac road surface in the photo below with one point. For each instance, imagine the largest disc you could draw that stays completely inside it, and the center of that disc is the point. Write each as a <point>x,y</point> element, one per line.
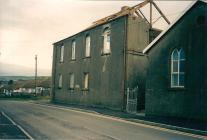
<point>48,122</point>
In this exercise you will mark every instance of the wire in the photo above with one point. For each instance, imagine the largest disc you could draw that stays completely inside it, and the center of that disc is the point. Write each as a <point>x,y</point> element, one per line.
<point>166,16</point>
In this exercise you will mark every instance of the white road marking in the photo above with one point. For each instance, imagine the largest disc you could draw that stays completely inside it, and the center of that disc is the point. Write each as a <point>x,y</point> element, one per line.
<point>26,133</point>
<point>125,121</point>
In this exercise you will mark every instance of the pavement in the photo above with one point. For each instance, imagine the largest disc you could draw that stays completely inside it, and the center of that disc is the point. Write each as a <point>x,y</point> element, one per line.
<point>43,121</point>
<point>186,125</point>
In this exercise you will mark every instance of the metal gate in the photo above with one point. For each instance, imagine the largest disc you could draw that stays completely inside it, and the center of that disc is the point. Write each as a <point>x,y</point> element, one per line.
<point>131,106</point>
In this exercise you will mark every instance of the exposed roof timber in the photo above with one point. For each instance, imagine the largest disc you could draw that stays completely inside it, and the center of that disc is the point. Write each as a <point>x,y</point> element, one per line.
<point>143,15</point>
<point>169,27</point>
<point>140,5</point>
<point>128,11</point>
<point>137,13</point>
<point>161,13</point>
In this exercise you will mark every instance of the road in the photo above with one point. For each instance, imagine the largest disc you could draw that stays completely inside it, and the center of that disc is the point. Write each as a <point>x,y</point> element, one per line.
<point>47,122</point>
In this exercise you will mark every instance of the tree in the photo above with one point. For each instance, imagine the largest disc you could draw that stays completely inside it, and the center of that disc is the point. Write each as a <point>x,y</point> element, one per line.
<point>10,82</point>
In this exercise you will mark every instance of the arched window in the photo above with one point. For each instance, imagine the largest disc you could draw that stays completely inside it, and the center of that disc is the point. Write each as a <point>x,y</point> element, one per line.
<point>60,81</point>
<point>177,68</point>
<point>106,41</point>
<point>88,46</point>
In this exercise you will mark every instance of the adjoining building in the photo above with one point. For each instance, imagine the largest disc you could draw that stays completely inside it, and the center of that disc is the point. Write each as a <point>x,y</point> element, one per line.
<point>176,82</point>
<point>99,64</point>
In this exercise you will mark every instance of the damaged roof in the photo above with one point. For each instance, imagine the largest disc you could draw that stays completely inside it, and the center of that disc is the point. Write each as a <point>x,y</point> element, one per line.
<point>125,10</point>
<point>154,42</point>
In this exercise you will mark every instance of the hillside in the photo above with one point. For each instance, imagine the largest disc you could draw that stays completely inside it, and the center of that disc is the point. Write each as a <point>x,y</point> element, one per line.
<point>16,70</point>
<point>30,83</point>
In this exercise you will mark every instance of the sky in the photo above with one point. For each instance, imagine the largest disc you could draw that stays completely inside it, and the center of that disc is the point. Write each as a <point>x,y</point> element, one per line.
<point>29,27</point>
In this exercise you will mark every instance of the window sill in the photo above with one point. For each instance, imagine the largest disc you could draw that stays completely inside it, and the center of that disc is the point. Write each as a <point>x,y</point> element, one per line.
<point>176,88</point>
<point>73,60</point>
<point>103,54</point>
<point>87,57</point>
<point>71,88</point>
<point>85,89</point>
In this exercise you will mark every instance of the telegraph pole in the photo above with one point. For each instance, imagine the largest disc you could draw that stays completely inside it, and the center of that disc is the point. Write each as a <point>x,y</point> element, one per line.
<point>35,75</point>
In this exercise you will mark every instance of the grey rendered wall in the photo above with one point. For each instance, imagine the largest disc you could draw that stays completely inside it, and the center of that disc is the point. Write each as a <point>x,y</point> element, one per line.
<point>105,71</point>
<point>137,40</point>
<point>190,102</point>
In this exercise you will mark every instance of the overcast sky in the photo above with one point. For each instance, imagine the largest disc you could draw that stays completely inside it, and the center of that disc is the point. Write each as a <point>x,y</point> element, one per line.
<point>29,27</point>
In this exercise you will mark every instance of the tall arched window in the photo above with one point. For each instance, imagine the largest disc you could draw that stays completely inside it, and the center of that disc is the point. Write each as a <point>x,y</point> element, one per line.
<point>177,68</point>
<point>106,41</point>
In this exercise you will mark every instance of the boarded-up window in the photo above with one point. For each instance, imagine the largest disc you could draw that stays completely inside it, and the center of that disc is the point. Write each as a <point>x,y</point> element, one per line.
<point>61,53</point>
<point>60,81</point>
<point>86,80</point>
<point>177,68</point>
<point>106,41</point>
<point>73,50</point>
<point>72,80</point>
<point>88,46</point>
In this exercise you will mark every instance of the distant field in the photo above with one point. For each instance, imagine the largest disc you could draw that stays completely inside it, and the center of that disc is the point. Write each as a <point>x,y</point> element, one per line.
<point>15,78</point>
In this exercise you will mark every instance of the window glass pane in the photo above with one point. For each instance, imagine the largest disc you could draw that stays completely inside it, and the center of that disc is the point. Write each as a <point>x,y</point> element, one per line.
<point>175,55</point>
<point>181,79</point>
<point>108,38</point>
<point>174,80</point>
<point>182,55</point>
<point>182,66</point>
<point>175,66</point>
<point>106,42</point>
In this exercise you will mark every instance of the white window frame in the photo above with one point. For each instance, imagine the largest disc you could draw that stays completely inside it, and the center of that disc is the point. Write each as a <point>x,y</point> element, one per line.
<point>88,46</point>
<point>71,81</point>
<point>73,50</point>
<point>178,73</point>
<point>86,81</point>
<point>106,41</point>
<point>60,81</point>
<point>61,53</point>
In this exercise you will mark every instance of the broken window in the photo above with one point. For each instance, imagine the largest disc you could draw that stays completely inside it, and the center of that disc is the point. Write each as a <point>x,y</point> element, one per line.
<point>86,80</point>
<point>72,80</point>
<point>61,53</point>
<point>73,50</point>
<point>177,68</point>
<point>60,81</point>
<point>106,41</point>
<point>88,46</point>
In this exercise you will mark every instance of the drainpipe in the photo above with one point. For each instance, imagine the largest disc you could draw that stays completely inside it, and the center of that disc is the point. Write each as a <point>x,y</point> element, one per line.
<point>125,63</point>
